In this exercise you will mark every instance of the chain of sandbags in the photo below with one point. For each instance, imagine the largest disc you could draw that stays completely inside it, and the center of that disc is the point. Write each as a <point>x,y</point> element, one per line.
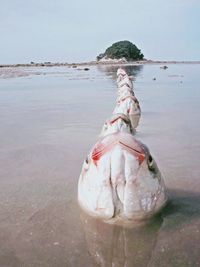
<point>120,181</point>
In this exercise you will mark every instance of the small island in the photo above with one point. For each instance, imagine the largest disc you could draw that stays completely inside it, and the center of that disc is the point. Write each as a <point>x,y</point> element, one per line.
<point>122,51</point>
<point>119,53</point>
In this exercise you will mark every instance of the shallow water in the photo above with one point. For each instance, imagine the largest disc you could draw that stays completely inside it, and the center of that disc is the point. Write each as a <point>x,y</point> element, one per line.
<point>50,118</point>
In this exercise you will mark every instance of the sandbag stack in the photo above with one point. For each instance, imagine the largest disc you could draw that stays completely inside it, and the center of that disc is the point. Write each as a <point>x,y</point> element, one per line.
<point>127,103</point>
<point>120,181</point>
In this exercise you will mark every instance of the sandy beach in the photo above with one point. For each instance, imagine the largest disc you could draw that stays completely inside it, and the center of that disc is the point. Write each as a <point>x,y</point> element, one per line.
<point>50,118</point>
<point>20,70</point>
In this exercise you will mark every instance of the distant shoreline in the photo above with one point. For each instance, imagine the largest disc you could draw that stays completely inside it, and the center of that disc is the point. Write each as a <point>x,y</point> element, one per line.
<point>96,63</point>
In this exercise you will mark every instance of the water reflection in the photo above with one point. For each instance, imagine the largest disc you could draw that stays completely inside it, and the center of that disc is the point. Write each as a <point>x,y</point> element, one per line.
<point>178,239</point>
<point>110,70</point>
<point>111,245</point>
<point>152,244</point>
<point>182,208</point>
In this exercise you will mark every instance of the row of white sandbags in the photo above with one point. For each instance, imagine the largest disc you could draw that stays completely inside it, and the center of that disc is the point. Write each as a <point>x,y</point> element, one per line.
<point>120,181</point>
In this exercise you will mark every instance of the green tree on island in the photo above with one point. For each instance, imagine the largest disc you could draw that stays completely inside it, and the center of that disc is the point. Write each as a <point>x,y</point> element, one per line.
<point>122,49</point>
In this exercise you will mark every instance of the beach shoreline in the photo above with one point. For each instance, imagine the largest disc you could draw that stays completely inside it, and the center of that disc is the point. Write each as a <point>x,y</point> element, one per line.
<point>97,63</point>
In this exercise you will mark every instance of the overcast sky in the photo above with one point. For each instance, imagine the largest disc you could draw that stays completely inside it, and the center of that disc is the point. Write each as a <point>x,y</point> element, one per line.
<point>75,30</point>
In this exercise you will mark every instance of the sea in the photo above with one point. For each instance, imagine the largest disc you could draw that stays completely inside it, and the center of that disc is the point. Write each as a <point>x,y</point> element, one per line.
<point>50,117</point>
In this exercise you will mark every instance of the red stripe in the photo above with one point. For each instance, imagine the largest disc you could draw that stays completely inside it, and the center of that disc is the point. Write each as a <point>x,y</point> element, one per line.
<point>101,149</point>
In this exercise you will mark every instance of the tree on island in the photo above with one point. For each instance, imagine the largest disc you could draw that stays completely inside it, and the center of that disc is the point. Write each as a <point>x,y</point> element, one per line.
<point>122,49</point>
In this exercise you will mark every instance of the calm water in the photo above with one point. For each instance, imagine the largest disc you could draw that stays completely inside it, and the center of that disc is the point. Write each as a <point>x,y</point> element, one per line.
<point>49,119</point>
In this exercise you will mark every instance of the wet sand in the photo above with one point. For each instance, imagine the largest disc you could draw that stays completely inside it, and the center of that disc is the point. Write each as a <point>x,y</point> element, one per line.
<point>49,120</point>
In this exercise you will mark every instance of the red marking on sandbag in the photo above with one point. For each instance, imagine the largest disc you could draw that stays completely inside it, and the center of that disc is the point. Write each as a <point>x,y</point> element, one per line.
<point>140,155</point>
<point>99,150</point>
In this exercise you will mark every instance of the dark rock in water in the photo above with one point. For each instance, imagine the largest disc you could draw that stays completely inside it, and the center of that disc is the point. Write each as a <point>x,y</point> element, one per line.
<point>86,69</point>
<point>154,79</point>
<point>164,67</point>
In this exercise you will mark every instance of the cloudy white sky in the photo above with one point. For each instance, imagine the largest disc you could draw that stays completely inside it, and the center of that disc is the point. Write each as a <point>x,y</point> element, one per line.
<point>75,30</point>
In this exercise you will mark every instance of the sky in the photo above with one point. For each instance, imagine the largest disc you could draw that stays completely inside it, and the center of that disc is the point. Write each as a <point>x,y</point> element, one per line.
<point>77,31</point>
